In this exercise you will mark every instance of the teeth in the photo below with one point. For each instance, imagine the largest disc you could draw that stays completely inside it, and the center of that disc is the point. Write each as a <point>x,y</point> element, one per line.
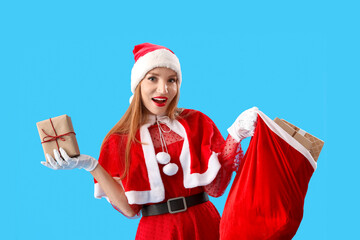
<point>160,99</point>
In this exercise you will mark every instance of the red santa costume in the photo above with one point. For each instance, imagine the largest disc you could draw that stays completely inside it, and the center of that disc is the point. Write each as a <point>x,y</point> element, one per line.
<point>204,165</point>
<point>201,161</point>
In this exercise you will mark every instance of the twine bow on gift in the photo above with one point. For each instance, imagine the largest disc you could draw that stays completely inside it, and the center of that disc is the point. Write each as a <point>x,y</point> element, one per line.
<point>49,138</point>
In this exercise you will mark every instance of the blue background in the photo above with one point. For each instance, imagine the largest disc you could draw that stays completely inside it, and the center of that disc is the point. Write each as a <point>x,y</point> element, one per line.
<point>297,60</point>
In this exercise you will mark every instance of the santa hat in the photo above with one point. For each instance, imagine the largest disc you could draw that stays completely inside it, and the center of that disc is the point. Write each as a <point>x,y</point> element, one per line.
<point>149,56</point>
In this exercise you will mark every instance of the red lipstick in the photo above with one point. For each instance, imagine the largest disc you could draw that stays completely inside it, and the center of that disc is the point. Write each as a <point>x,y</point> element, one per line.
<point>159,101</point>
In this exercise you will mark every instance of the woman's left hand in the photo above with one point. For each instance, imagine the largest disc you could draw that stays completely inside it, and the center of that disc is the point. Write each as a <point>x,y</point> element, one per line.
<point>244,125</point>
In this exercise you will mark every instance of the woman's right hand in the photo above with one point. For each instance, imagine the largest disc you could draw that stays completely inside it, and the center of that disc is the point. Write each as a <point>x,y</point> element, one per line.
<point>65,162</point>
<point>244,125</point>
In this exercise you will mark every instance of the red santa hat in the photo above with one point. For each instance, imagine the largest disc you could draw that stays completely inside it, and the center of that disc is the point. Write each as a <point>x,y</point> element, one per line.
<point>149,56</point>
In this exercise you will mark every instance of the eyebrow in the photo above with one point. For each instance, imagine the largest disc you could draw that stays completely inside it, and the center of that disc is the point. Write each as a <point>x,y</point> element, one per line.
<point>156,74</point>
<point>150,73</point>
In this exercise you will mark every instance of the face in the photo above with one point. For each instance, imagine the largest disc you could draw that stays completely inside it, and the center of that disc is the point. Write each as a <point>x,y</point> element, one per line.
<point>158,89</point>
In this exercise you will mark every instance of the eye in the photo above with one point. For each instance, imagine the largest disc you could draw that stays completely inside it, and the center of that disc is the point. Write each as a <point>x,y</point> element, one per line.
<point>172,80</point>
<point>152,78</point>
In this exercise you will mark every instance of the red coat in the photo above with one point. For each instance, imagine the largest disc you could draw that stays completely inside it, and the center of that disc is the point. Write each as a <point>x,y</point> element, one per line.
<point>198,158</point>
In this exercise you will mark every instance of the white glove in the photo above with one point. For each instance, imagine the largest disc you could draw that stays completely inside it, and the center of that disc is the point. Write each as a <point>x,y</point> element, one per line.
<point>82,161</point>
<point>244,125</point>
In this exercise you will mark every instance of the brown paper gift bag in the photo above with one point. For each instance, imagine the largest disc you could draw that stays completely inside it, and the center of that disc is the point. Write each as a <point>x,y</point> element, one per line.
<point>58,132</point>
<point>311,143</point>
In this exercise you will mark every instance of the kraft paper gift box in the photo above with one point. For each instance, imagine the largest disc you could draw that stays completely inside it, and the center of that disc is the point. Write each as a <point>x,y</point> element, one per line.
<point>311,143</point>
<point>58,132</point>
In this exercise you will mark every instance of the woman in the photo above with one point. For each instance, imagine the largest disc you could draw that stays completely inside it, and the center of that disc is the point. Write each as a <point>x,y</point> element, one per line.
<point>162,160</point>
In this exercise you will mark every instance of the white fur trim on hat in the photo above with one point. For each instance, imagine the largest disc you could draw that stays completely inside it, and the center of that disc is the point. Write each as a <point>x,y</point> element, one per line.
<point>151,60</point>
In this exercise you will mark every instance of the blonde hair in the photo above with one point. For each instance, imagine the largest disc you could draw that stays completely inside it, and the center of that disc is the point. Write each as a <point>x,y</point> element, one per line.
<point>134,117</point>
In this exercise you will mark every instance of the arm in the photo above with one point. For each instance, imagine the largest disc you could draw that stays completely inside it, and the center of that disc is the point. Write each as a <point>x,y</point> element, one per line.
<point>231,154</point>
<point>229,159</point>
<point>113,190</point>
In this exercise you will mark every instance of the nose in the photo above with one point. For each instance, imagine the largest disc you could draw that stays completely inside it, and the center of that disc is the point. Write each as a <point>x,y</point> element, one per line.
<point>162,87</point>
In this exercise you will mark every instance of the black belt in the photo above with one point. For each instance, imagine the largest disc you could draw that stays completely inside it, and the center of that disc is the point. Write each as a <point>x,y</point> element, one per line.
<point>174,205</point>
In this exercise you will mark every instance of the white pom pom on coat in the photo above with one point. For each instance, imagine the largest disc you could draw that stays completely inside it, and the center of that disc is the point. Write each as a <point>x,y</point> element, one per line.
<point>170,169</point>
<point>163,158</point>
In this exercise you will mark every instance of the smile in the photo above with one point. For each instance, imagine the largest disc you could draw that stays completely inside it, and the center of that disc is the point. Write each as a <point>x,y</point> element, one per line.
<point>159,101</point>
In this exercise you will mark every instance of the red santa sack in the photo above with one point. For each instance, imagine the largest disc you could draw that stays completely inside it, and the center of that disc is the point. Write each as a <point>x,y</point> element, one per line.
<point>266,199</point>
